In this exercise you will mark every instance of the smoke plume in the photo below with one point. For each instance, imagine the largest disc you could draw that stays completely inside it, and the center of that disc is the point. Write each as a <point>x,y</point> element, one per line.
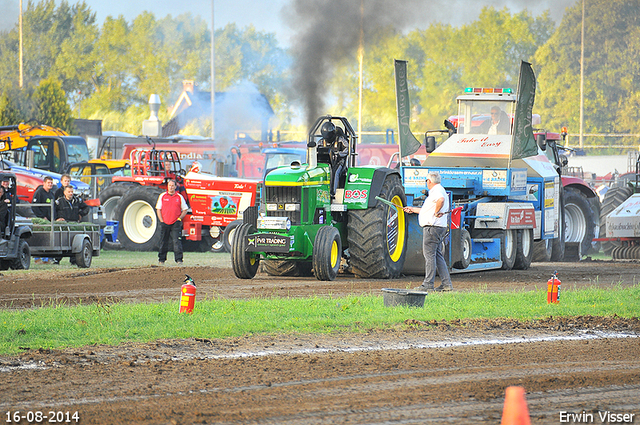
<point>327,32</point>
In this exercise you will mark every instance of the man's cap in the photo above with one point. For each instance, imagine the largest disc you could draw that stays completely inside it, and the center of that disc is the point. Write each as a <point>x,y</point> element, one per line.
<point>5,178</point>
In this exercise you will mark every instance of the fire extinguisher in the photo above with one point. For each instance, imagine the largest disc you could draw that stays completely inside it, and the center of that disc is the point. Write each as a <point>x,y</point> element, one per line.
<point>553,289</point>
<point>188,295</point>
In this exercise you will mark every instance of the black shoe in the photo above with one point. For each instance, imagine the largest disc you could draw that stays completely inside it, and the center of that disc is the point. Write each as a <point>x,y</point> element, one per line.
<point>443,288</point>
<point>423,288</point>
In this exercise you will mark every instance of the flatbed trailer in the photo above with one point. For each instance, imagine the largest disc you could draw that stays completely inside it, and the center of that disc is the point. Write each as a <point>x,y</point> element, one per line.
<point>65,239</point>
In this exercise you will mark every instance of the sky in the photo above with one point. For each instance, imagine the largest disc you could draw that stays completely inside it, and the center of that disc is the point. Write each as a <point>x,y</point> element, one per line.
<point>268,16</point>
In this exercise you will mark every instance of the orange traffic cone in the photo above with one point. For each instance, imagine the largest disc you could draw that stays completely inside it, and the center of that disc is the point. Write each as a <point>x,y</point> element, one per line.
<point>515,410</point>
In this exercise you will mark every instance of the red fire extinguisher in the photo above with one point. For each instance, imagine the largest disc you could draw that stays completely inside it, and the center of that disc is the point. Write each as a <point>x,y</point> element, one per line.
<point>553,289</point>
<point>188,295</point>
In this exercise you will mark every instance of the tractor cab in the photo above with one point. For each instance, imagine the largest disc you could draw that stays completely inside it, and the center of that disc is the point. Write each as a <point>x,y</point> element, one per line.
<point>332,141</point>
<point>485,111</point>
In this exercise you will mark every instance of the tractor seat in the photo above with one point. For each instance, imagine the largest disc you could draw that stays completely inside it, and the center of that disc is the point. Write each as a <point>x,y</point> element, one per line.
<point>324,154</point>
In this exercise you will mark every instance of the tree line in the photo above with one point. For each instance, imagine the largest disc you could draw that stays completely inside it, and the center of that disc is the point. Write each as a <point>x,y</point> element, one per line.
<point>77,68</point>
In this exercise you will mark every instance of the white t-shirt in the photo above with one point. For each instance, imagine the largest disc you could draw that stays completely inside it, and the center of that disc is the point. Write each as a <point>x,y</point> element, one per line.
<point>427,215</point>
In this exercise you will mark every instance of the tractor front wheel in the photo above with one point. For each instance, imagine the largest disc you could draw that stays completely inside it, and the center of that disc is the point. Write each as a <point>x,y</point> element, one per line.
<point>327,253</point>
<point>245,264</point>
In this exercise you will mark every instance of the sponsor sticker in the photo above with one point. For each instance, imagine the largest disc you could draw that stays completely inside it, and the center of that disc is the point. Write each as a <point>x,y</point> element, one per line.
<point>267,242</point>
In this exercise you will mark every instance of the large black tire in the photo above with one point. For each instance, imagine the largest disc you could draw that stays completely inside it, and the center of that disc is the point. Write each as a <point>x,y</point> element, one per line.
<point>23,261</point>
<point>557,246</point>
<point>110,197</point>
<point>508,243</point>
<point>229,233</point>
<point>83,258</point>
<point>542,250</point>
<point>580,220</point>
<point>524,249</point>
<point>139,226</point>
<point>245,264</point>
<point>287,268</point>
<point>378,250</point>
<point>327,253</point>
<point>465,250</point>
<point>612,199</point>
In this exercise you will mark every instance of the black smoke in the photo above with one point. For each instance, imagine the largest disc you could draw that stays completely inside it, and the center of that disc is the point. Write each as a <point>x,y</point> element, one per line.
<point>327,32</point>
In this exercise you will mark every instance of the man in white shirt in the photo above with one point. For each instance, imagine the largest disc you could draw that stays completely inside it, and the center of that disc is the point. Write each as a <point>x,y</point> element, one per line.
<point>432,217</point>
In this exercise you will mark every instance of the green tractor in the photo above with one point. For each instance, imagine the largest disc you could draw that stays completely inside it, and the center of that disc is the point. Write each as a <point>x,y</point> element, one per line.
<point>313,215</point>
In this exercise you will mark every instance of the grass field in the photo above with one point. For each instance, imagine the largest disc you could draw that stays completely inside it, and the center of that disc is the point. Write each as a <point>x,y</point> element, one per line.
<point>61,325</point>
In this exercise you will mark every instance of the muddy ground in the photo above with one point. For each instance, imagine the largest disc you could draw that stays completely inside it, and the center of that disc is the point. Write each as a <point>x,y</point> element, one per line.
<point>436,372</point>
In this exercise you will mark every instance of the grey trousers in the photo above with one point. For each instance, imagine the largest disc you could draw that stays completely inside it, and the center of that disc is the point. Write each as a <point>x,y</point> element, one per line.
<point>432,238</point>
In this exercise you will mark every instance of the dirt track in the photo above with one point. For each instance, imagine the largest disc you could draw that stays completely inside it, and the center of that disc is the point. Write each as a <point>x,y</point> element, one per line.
<point>416,373</point>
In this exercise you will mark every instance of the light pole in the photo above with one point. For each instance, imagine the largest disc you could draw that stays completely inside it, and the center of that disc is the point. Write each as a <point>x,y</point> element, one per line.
<point>582,80</point>
<point>213,74</point>
<point>20,78</point>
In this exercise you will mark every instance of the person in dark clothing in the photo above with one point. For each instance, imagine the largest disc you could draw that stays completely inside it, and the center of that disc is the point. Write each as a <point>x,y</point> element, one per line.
<point>44,195</point>
<point>4,209</point>
<point>65,180</point>
<point>70,207</point>
<point>498,124</point>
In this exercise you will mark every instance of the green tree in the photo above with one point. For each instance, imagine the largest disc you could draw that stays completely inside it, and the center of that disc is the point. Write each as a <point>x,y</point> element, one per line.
<point>611,69</point>
<point>50,105</point>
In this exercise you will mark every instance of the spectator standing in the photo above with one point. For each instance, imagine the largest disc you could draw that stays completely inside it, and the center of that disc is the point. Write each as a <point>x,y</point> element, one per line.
<point>44,195</point>
<point>65,180</point>
<point>70,207</point>
<point>171,208</point>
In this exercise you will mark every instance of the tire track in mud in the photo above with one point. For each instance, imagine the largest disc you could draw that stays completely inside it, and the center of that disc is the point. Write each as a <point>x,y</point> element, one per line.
<point>344,387</point>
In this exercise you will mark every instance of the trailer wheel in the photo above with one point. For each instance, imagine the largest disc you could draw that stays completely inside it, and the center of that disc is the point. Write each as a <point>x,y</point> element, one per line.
<point>542,250</point>
<point>23,261</point>
<point>136,212</point>
<point>327,253</point>
<point>229,233</point>
<point>378,236</point>
<point>245,264</point>
<point>580,219</point>
<point>465,250</point>
<point>612,199</point>
<point>287,268</point>
<point>524,249</point>
<point>83,258</point>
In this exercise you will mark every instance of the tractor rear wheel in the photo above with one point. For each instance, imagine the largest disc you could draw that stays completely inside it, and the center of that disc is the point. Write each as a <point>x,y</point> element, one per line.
<point>229,233</point>
<point>557,248</point>
<point>542,250</point>
<point>287,268</point>
<point>327,253</point>
<point>136,212</point>
<point>245,264</point>
<point>110,197</point>
<point>612,199</point>
<point>580,219</point>
<point>378,236</point>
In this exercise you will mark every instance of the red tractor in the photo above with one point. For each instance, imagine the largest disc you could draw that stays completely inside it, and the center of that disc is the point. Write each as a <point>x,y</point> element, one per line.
<point>215,202</point>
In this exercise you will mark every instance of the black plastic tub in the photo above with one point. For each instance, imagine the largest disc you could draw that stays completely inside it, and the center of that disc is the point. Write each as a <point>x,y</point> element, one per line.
<point>404,297</point>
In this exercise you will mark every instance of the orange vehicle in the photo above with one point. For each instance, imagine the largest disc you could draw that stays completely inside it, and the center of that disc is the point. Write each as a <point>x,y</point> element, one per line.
<point>215,202</point>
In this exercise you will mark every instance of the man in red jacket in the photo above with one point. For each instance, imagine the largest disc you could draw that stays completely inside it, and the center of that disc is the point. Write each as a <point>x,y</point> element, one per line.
<point>171,208</point>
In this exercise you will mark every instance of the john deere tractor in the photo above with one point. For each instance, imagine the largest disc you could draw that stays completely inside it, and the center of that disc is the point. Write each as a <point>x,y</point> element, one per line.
<point>313,215</point>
